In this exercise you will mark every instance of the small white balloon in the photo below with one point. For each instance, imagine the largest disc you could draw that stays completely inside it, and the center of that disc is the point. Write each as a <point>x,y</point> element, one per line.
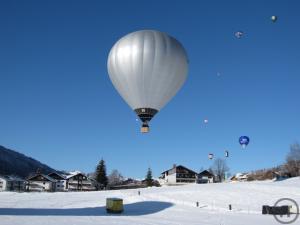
<point>238,34</point>
<point>273,18</point>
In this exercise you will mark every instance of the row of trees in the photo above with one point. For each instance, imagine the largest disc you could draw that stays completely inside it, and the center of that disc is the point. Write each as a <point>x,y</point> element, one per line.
<point>115,177</point>
<point>291,167</point>
<point>219,169</point>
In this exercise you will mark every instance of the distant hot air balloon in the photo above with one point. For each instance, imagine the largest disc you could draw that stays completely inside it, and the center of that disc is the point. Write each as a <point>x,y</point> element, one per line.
<point>226,154</point>
<point>210,156</point>
<point>205,120</point>
<point>244,141</point>
<point>238,34</point>
<point>147,68</point>
<point>274,19</point>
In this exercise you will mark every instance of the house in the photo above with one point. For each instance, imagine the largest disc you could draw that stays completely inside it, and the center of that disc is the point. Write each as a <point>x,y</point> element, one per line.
<point>41,182</point>
<point>177,175</point>
<point>61,181</point>
<point>205,177</point>
<point>127,184</point>
<point>79,182</point>
<point>12,183</point>
<point>279,175</point>
<point>239,177</point>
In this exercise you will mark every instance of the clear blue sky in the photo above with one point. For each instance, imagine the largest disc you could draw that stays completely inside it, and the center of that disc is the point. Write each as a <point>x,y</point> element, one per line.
<point>58,105</point>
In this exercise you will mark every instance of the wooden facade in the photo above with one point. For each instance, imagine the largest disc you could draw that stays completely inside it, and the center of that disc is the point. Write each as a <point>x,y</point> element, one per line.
<point>41,182</point>
<point>205,177</point>
<point>61,181</point>
<point>79,182</point>
<point>178,175</point>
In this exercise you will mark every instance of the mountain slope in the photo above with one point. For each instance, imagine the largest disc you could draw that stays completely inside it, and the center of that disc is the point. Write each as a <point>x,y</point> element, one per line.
<point>15,163</point>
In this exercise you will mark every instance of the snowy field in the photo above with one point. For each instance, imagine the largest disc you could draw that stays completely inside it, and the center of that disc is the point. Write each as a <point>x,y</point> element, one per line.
<point>157,206</point>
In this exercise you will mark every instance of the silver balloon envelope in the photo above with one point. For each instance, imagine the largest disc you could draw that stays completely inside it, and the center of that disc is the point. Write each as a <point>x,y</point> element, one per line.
<point>147,68</point>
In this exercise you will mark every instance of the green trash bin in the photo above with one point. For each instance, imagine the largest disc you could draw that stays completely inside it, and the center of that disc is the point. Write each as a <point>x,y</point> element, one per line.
<point>114,205</point>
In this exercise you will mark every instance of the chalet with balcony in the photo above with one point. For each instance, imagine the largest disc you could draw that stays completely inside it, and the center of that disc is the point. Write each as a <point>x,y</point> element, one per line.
<point>61,181</point>
<point>178,175</point>
<point>205,177</point>
<point>41,182</point>
<point>79,182</point>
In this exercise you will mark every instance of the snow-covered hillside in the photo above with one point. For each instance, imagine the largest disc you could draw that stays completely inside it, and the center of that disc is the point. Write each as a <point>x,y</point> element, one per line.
<point>159,206</point>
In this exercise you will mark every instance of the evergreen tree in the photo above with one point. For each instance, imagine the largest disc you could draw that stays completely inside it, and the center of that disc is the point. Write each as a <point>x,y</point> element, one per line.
<point>149,179</point>
<point>100,174</point>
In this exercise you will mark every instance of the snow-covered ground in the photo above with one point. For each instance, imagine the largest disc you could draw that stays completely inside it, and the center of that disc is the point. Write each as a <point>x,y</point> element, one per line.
<point>159,206</point>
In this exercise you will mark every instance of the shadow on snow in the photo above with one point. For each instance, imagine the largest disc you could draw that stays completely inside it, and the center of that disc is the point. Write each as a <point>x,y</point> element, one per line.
<point>133,209</point>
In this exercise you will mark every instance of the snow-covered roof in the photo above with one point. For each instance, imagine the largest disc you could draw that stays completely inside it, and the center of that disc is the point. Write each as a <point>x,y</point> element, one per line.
<point>43,175</point>
<point>74,174</point>
<point>240,176</point>
<point>206,172</point>
<point>58,174</point>
<point>181,167</point>
<point>11,178</point>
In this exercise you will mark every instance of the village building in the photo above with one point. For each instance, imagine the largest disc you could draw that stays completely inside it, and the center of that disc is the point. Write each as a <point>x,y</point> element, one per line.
<point>128,184</point>
<point>178,175</point>
<point>79,182</point>
<point>41,182</point>
<point>239,177</point>
<point>280,175</point>
<point>12,183</point>
<point>205,177</point>
<point>61,181</point>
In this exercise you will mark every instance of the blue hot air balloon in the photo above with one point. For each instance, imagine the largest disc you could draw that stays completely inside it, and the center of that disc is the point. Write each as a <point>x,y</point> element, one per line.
<point>244,141</point>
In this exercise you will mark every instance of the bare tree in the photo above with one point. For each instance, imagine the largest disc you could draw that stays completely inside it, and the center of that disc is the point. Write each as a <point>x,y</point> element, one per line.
<point>293,160</point>
<point>115,178</point>
<point>219,168</point>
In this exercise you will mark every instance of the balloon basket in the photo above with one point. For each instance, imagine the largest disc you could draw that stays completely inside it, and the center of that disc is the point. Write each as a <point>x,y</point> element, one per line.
<point>145,129</point>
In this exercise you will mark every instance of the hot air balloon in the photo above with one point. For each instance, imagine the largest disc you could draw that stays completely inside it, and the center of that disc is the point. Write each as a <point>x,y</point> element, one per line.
<point>147,68</point>
<point>210,156</point>
<point>244,141</point>
<point>274,19</point>
<point>226,154</point>
<point>205,121</point>
<point>238,34</point>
